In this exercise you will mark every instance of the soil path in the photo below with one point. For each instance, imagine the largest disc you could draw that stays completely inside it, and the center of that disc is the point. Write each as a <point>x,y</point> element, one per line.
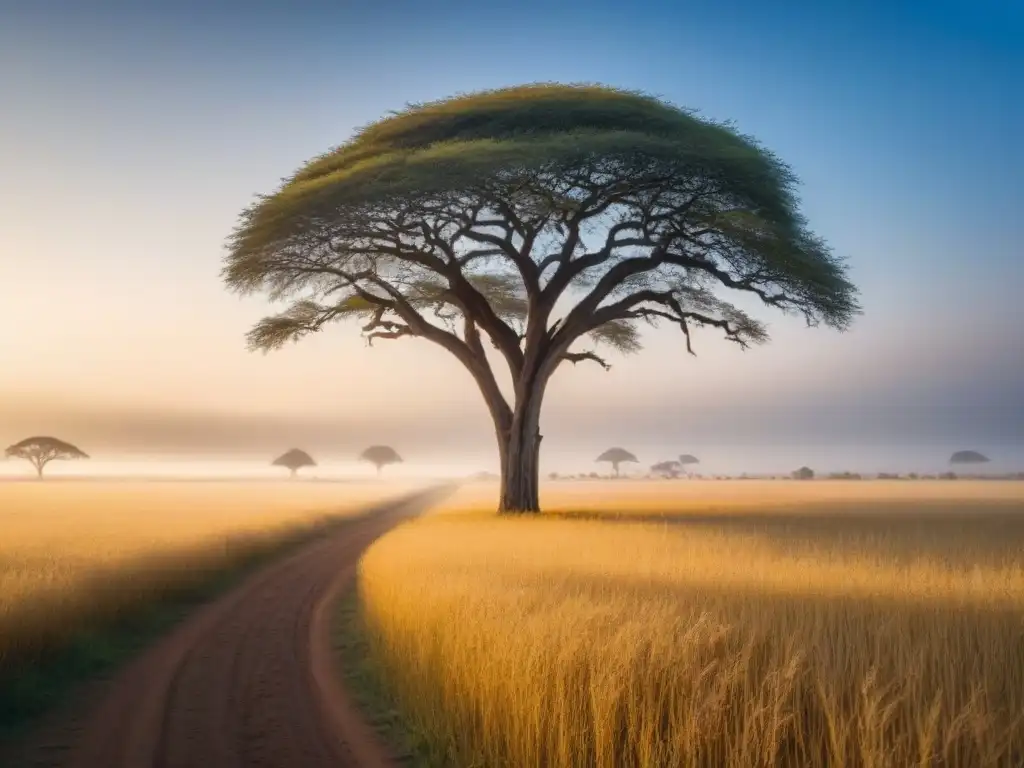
<point>249,680</point>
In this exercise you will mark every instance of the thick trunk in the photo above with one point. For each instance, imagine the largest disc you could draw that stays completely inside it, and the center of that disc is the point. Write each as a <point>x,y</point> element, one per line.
<point>520,476</point>
<point>519,449</point>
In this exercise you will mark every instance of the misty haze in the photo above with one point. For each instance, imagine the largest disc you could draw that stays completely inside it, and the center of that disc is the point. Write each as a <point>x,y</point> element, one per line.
<point>595,385</point>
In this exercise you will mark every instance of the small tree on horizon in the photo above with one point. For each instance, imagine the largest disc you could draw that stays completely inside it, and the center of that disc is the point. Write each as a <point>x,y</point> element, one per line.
<point>544,220</point>
<point>294,459</point>
<point>616,456</point>
<point>669,468</point>
<point>40,451</point>
<point>804,473</point>
<point>686,460</point>
<point>968,457</point>
<point>381,456</point>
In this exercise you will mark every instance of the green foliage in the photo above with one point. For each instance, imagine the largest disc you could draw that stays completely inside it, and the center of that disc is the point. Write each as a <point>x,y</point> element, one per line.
<point>621,335</point>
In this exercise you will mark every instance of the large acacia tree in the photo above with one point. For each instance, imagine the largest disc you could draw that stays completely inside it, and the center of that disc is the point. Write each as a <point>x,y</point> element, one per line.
<point>536,219</point>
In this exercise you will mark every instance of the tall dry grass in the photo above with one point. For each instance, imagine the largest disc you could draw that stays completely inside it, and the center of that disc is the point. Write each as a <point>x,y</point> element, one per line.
<point>75,556</point>
<point>883,630</point>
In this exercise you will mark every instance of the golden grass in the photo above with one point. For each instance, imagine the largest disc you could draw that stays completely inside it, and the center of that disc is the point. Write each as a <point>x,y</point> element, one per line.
<point>74,555</point>
<point>760,624</point>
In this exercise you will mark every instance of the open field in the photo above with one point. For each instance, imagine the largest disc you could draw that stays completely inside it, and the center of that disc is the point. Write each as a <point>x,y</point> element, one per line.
<point>708,624</point>
<point>77,555</point>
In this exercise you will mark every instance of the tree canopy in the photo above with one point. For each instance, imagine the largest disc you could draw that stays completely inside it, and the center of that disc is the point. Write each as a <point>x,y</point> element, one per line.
<point>687,458</point>
<point>380,456</point>
<point>669,468</point>
<point>294,460</point>
<point>968,457</point>
<point>40,451</point>
<point>617,456</point>
<point>537,218</point>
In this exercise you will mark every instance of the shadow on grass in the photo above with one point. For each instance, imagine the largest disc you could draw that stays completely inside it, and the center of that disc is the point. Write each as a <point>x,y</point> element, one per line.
<point>34,685</point>
<point>365,682</point>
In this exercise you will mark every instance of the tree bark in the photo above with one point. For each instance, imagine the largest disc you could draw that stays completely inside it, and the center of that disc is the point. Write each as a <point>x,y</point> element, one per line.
<point>519,449</point>
<point>520,478</point>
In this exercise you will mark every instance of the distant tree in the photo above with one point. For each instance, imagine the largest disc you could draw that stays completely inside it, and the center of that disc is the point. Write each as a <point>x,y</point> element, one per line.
<point>616,456</point>
<point>553,476</point>
<point>947,476</point>
<point>804,473</point>
<point>380,456</point>
<point>535,219</point>
<point>686,460</point>
<point>667,468</point>
<point>40,451</point>
<point>294,460</point>
<point>912,475</point>
<point>968,457</point>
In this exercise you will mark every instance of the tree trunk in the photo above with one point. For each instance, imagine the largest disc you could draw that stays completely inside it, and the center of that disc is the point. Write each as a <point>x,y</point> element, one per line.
<point>39,472</point>
<point>520,478</point>
<point>519,450</point>
<point>615,467</point>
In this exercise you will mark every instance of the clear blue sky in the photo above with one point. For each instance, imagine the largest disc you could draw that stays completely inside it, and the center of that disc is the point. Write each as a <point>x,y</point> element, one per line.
<point>133,133</point>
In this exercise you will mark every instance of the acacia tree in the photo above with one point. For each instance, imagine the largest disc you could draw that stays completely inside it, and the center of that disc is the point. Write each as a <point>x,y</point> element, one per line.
<point>380,456</point>
<point>535,218</point>
<point>687,459</point>
<point>294,460</point>
<point>667,468</point>
<point>968,457</point>
<point>616,456</point>
<point>40,451</point>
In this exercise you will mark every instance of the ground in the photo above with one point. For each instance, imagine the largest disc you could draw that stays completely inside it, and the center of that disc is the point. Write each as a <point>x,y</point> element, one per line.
<point>636,623</point>
<point>708,623</point>
<point>73,552</point>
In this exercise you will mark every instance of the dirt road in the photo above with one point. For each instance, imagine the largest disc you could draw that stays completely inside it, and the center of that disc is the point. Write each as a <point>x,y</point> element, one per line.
<point>248,681</point>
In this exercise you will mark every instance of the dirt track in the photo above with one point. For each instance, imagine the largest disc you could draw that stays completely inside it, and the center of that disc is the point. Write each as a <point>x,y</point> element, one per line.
<point>248,681</point>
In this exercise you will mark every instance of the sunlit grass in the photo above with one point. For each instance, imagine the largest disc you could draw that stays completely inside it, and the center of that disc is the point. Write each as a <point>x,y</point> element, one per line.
<point>77,555</point>
<point>759,624</point>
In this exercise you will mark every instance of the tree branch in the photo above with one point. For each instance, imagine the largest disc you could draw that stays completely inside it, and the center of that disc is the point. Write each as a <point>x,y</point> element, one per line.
<point>579,357</point>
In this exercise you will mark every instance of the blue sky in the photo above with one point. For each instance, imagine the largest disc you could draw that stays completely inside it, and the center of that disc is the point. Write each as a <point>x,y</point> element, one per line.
<point>133,133</point>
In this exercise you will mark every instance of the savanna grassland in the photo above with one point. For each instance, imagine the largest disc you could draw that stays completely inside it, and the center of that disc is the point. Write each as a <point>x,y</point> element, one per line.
<point>77,556</point>
<point>742,623</point>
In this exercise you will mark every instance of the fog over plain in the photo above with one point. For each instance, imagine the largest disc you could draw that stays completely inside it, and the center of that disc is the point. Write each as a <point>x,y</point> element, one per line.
<point>132,138</point>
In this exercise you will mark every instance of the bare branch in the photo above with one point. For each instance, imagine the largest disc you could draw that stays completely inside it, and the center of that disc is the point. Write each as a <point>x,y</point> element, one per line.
<point>579,357</point>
